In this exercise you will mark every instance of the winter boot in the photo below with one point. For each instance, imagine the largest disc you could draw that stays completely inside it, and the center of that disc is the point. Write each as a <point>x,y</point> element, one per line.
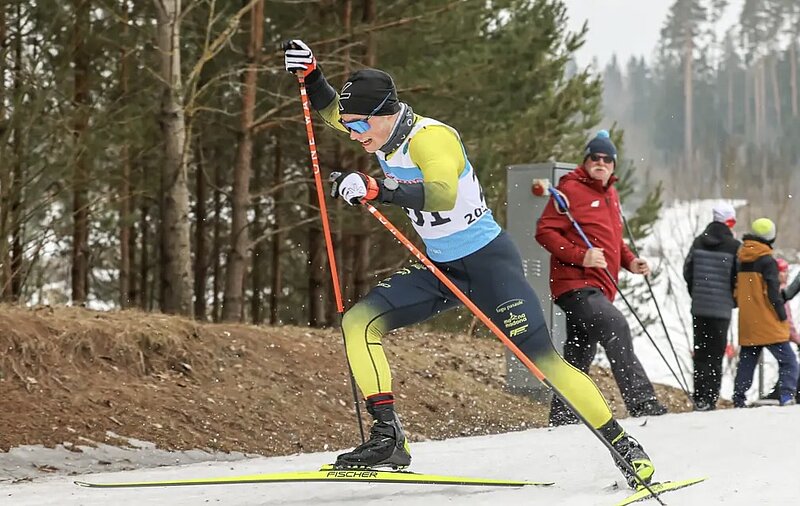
<point>774,394</point>
<point>632,452</point>
<point>703,405</point>
<point>387,445</point>
<point>648,408</point>
<point>787,400</point>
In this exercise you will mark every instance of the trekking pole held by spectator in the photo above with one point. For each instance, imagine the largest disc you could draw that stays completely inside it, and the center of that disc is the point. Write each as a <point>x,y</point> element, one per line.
<point>655,302</point>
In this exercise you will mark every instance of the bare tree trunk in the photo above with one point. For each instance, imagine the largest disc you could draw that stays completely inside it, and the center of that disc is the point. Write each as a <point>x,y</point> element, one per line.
<point>748,99</point>
<point>762,113</point>
<point>348,248</point>
<point>757,103</point>
<point>793,76</point>
<point>316,265</point>
<point>125,186</point>
<point>237,256</point>
<point>133,239</point>
<point>125,231</point>
<point>763,100</point>
<point>341,253</point>
<point>176,260</point>
<point>216,252</point>
<point>363,243</point>
<point>14,283</point>
<point>200,235</point>
<point>776,90</point>
<point>80,169</point>
<point>259,256</point>
<point>688,94</point>
<point>337,233</point>
<point>363,240</point>
<point>144,267</point>
<point>5,168</point>
<point>730,101</point>
<point>277,284</point>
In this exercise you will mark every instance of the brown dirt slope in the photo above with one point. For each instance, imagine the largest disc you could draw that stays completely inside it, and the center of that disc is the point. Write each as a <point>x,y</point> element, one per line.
<point>69,374</point>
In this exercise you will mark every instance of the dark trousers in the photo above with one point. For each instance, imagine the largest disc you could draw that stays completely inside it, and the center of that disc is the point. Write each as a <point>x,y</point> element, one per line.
<point>748,359</point>
<point>591,320</point>
<point>710,339</point>
<point>493,278</point>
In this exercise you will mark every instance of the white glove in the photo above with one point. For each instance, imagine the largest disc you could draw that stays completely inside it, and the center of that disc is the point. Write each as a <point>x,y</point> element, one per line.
<point>297,57</point>
<point>354,187</point>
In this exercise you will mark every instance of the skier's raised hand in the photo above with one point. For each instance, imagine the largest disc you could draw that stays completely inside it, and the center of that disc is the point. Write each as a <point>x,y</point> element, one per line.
<point>298,57</point>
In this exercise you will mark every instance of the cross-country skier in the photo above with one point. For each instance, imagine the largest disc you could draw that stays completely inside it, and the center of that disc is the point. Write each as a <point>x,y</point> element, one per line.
<point>427,172</point>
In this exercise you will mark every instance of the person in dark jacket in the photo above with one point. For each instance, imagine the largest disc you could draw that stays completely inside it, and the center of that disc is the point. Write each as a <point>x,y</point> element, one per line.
<point>710,274</point>
<point>580,282</point>
<point>762,315</point>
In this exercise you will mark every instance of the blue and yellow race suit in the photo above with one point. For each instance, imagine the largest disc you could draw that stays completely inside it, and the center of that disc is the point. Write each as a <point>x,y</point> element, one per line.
<point>464,241</point>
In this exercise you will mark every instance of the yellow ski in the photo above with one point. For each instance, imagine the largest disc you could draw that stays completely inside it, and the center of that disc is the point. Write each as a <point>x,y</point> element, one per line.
<point>659,488</point>
<point>327,473</point>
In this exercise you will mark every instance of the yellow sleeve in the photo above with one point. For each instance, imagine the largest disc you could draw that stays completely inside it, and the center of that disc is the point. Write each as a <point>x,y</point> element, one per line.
<point>331,115</point>
<point>438,152</point>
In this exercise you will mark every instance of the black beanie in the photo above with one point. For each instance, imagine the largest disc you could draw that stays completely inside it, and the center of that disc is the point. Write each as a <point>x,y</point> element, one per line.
<point>365,89</point>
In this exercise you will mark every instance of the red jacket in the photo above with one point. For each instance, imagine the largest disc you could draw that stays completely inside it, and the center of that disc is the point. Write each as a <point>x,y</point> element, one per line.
<point>597,211</point>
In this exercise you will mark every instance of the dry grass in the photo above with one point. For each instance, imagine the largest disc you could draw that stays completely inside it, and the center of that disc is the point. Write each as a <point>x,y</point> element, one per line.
<point>70,374</point>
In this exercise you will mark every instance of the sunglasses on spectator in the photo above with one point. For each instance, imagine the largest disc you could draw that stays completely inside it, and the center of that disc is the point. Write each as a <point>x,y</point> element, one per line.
<point>605,158</point>
<point>361,125</point>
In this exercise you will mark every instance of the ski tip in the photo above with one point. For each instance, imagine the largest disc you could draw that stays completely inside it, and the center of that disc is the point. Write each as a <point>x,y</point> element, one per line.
<point>658,488</point>
<point>82,483</point>
<point>678,483</point>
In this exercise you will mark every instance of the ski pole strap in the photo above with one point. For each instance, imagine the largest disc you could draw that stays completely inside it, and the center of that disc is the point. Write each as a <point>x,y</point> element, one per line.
<point>562,206</point>
<point>561,201</point>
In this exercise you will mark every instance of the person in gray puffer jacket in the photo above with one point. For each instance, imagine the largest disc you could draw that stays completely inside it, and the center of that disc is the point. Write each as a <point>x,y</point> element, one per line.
<point>710,274</point>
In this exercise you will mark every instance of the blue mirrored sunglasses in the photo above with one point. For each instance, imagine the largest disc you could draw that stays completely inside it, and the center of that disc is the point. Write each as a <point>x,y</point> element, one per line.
<point>361,125</point>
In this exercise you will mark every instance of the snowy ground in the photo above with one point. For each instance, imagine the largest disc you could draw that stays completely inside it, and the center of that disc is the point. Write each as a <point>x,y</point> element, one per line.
<point>749,456</point>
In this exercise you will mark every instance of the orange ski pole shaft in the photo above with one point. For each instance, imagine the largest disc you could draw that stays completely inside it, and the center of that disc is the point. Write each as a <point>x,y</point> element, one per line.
<point>326,230</point>
<point>458,293</point>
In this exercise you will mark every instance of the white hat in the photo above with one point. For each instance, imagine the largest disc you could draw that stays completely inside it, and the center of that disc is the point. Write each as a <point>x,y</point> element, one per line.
<point>723,212</point>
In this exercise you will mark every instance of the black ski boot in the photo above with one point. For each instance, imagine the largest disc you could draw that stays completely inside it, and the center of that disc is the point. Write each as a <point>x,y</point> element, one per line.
<point>632,452</point>
<point>387,445</point>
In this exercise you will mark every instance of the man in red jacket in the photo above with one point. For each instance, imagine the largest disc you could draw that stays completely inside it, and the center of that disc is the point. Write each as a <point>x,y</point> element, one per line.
<point>579,283</point>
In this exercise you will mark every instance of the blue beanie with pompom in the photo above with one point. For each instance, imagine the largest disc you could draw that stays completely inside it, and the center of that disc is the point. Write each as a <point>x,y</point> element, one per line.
<point>601,144</point>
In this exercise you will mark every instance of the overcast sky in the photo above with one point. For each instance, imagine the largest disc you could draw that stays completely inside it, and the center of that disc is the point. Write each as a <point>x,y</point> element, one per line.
<point>625,27</point>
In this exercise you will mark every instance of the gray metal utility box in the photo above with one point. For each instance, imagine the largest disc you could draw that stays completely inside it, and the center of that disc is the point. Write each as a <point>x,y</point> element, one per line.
<point>524,210</point>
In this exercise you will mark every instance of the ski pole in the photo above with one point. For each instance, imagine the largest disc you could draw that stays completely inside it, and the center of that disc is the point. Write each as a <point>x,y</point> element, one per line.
<point>655,302</point>
<point>312,146</point>
<point>500,335</point>
<point>563,206</point>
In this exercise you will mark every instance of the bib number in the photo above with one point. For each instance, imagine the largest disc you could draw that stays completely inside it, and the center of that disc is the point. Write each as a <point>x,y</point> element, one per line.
<point>422,218</point>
